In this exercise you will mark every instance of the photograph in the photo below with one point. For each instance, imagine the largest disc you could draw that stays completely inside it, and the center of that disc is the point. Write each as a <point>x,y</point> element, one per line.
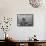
<point>24,19</point>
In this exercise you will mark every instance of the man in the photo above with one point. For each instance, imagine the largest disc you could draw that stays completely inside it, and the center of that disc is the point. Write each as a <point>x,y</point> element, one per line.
<point>23,22</point>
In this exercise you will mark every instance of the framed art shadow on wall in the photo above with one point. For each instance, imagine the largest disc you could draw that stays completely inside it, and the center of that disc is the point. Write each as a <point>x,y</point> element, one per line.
<point>24,19</point>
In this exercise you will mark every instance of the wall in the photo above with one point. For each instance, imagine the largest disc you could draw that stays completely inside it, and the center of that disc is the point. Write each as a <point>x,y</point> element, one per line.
<point>10,8</point>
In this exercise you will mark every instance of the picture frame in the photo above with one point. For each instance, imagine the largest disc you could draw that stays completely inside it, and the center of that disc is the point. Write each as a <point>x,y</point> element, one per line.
<point>24,19</point>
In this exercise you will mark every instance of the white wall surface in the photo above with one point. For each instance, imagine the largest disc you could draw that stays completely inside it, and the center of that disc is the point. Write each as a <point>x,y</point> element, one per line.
<point>10,8</point>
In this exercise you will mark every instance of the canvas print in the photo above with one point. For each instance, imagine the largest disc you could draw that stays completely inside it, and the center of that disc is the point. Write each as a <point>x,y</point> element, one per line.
<point>24,19</point>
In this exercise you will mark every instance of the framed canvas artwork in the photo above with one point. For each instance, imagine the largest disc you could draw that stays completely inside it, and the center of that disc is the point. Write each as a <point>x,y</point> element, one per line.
<point>24,19</point>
